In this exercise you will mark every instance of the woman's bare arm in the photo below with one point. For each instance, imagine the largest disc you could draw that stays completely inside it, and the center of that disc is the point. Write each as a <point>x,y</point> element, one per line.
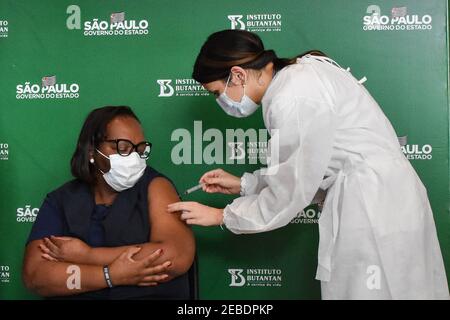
<point>168,232</point>
<point>48,278</point>
<point>56,278</point>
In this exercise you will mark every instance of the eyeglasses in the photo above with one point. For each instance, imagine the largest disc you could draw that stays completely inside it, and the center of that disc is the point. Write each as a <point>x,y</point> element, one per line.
<point>125,147</point>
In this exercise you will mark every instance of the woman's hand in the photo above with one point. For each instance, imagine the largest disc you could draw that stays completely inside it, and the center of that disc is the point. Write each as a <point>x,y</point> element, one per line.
<point>197,213</point>
<point>220,181</point>
<point>127,271</point>
<point>66,249</point>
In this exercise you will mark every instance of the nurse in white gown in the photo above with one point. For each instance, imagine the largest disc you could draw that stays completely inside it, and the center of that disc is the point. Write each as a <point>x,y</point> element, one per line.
<point>377,233</point>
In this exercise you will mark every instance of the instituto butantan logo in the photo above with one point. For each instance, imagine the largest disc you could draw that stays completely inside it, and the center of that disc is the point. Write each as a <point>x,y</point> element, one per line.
<point>4,274</point>
<point>237,279</point>
<point>266,22</point>
<point>255,277</point>
<point>415,151</point>
<point>26,214</point>
<point>180,88</point>
<point>116,25</point>
<point>47,89</point>
<point>4,151</point>
<point>4,29</point>
<point>398,19</point>
<point>230,146</point>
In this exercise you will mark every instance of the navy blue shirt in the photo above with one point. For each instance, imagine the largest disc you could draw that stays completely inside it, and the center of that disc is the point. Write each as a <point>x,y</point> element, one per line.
<point>50,222</point>
<point>71,211</point>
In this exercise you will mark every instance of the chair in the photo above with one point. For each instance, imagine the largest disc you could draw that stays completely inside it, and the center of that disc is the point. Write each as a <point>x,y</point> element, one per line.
<point>193,280</point>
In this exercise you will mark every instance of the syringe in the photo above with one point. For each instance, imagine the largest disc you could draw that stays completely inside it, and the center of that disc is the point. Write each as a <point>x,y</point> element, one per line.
<point>197,187</point>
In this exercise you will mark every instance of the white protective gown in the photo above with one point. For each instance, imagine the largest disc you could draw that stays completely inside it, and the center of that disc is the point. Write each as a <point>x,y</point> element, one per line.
<point>377,233</point>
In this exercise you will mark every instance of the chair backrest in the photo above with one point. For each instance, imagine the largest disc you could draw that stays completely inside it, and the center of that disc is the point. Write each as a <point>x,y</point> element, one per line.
<point>193,280</point>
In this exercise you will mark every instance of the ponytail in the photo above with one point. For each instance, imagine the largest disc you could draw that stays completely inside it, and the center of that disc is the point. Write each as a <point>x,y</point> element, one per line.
<point>225,49</point>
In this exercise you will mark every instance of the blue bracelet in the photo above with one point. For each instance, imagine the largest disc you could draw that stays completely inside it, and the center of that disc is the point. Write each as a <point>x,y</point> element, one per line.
<point>107,276</point>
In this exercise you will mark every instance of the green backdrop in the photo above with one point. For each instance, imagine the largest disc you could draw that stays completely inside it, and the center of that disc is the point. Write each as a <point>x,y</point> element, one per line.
<point>88,57</point>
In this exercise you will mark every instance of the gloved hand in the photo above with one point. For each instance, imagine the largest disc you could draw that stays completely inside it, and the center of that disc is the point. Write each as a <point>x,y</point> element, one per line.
<point>220,181</point>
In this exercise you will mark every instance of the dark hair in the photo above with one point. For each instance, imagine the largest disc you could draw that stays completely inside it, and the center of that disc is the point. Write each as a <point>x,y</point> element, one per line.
<point>225,49</point>
<point>92,134</point>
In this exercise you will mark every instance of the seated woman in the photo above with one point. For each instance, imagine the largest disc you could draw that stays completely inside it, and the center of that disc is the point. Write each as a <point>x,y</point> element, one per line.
<point>106,234</point>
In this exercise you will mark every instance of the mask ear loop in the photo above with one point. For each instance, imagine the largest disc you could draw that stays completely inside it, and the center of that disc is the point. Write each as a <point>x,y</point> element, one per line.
<point>244,85</point>
<point>226,84</point>
<point>104,157</point>
<point>228,81</point>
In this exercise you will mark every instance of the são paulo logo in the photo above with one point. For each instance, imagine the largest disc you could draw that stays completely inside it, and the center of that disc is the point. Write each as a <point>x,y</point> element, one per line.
<point>117,24</point>
<point>398,19</point>
<point>48,88</point>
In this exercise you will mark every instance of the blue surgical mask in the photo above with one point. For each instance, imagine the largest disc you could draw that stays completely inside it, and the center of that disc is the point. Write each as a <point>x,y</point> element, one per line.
<point>241,109</point>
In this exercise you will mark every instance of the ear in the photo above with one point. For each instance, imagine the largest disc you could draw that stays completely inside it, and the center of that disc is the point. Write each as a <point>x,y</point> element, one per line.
<point>238,75</point>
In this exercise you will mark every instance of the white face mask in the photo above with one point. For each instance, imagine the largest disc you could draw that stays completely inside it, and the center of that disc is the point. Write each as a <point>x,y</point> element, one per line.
<point>240,109</point>
<point>125,171</point>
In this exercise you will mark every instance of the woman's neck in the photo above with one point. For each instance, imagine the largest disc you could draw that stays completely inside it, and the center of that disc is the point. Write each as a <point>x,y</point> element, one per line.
<point>267,75</point>
<point>103,193</point>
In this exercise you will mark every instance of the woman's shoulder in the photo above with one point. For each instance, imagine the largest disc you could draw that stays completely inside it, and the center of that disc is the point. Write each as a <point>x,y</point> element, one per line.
<point>300,80</point>
<point>290,79</point>
<point>150,174</point>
